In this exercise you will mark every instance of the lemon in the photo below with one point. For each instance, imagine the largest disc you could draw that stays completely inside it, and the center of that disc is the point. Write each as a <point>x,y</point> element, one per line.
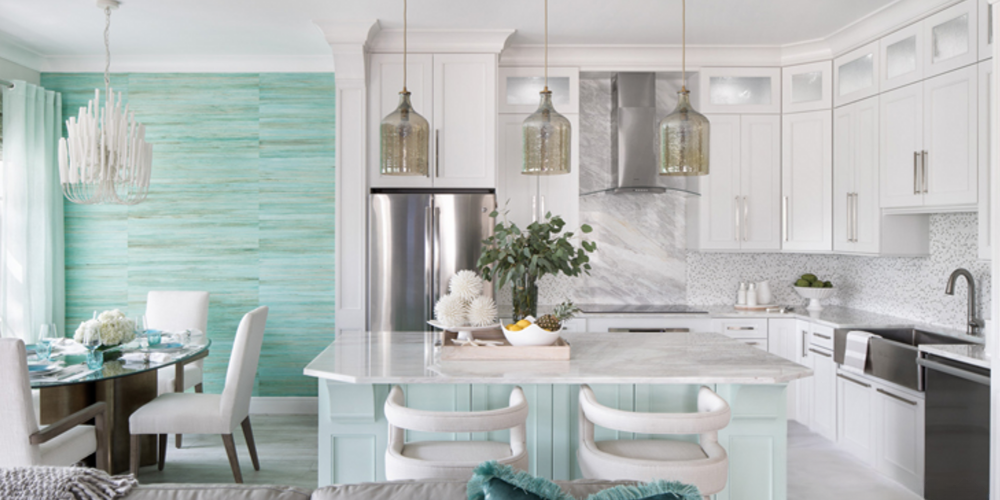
<point>513,328</point>
<point>523,323</point>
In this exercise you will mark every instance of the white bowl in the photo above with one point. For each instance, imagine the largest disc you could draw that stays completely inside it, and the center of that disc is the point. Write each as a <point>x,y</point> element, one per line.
<point>533,335</point>
<point>814,295</point>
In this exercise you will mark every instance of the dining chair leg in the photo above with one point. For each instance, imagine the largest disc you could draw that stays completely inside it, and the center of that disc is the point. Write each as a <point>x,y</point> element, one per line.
<point>133,456</point>
<point>234,462</point>
<point>178,443</point>
<point>198,388</point>
<point>248,434</point>
<point>162,457</point>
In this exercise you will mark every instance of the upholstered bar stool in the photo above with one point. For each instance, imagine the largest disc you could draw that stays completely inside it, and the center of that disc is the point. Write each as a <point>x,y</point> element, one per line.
<point>452,459</point>
<point>703,464</point>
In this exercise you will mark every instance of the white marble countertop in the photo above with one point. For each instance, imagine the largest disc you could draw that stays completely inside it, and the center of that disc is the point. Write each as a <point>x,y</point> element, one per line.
<point>597,358</point>
<point>972,354</point>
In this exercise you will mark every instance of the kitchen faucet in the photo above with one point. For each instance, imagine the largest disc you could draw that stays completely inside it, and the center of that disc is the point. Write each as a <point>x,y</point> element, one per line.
<point>975,325</point>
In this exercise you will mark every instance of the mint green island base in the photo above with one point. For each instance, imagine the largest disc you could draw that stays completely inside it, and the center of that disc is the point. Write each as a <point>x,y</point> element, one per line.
<point>646,372</point>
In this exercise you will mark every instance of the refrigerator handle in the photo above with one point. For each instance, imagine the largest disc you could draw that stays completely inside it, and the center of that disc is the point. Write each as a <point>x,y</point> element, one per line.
<point>428,261</point>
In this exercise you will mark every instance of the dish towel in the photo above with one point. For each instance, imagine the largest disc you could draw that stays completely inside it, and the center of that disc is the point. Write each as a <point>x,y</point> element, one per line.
<point>69,483</point>
<point>139,358</point>
<point>856,352</point>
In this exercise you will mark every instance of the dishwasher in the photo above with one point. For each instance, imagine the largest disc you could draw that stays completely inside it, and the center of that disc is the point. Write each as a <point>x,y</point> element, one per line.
<point>957,429</point>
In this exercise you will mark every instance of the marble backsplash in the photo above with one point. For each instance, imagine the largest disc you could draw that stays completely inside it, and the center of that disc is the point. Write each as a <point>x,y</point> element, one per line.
<point>642,255</point>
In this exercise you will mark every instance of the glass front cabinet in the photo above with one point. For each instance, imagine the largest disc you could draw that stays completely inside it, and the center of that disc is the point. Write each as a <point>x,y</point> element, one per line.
<point>855,74</point>
<point>740,90</point>
<point>807,87</point>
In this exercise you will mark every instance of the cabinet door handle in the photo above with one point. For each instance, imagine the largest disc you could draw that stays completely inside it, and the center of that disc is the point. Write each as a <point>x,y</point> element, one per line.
<point>740,328</point>
<point>542,201</point>
<point>753,343</point>
<point>862,384</point>
<point>820,335</point>
<point>437,153</point>
<point>916,176</point>
<point>738,226</point>
<point>821,353</point>
<point>804,343</point>
<point>746,212</point>
<point>534,208</point>
<point>898,398</point>
<point>784,218</point>
<point>923,165</point>
<point>854,210</point>
<point>850,220</point>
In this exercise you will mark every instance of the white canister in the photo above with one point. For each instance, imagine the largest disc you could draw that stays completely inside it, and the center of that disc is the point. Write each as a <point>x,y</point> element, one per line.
<point>764,293</point>
<point>752,295</point>
<point>741,294</point>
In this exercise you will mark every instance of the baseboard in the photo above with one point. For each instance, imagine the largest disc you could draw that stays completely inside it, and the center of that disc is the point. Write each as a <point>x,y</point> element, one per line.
<point>299,405</point>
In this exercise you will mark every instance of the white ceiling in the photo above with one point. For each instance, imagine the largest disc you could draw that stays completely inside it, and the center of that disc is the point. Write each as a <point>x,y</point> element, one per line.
<point>51,28</point>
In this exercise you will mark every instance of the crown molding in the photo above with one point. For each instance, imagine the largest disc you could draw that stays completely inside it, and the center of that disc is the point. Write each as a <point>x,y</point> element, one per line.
<point>347,36</point>
<point>443,41</point>
<point>189,64</point>
<point>14,52</point>
<point>640,57</point>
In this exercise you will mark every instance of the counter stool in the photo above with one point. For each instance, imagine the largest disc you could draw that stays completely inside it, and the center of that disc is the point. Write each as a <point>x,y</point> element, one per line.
<point>452,459</point>
<point>703,464</point>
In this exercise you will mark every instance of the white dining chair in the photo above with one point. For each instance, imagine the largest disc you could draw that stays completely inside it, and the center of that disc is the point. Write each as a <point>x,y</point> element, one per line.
<point>176,311</point>
<point>452,459</point>
<point>199,413</point>
<point>703,464</point>
<point>63,443</point>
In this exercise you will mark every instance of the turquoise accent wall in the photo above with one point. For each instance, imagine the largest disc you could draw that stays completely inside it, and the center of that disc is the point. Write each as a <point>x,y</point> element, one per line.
<point>241,204</point>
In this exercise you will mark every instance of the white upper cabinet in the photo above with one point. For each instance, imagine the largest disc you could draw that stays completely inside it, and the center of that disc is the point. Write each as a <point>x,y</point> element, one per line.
<point>464,127</point>
<point>519,88</point>
<point>985,29</point>
<point>855,74</point>
<point>807,87</point>
<point>951,38</point>
<point>987,151</point>
<point>456,93</point>
<point>386,82</point>
<point>902,146</point>
<point>807,182</point>
<point>902,60</point>
<point>855,198</point>
<point>525,195</point>
<point>740,90</point>
<point>739,207</point>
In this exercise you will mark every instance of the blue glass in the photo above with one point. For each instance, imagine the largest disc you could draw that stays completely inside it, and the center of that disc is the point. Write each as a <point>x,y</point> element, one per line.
<point>154,337</point>
<point>43,349</point>
<point>95,360</point>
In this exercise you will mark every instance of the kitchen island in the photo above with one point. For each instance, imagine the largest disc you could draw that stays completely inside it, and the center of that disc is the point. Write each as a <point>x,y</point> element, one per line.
<point>659,372</point>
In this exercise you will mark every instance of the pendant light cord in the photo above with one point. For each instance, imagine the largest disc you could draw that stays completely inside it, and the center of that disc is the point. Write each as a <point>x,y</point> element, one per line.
<point>404,46</point>
<point>683,45</point>
<point>546,45</point>
<point>107,49</point>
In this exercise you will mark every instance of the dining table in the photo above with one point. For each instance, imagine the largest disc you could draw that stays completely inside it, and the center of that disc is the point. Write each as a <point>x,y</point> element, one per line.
<point>124,385</point>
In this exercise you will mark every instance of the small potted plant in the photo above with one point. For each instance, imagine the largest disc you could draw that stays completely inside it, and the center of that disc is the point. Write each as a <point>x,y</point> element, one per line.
<point>522,257</point>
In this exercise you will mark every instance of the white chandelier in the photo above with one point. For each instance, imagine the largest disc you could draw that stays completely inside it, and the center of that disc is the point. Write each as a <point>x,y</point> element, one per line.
<point>106,158</point>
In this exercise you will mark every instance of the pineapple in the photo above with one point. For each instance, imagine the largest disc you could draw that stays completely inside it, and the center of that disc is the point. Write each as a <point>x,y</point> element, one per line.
<point>562,312</point>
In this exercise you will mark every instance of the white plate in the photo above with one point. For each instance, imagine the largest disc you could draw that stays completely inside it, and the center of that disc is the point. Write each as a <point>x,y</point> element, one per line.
<point>464,332</point>
<point>47,370</point>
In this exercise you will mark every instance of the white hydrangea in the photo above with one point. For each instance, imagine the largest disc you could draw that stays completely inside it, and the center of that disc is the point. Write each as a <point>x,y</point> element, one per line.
<point>482,311</point>
<point>450,310</point>
<point>466,284</point>
<point>112,327</point>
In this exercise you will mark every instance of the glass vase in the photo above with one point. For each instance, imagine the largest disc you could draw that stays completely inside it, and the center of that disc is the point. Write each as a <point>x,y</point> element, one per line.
<point>525,295</point>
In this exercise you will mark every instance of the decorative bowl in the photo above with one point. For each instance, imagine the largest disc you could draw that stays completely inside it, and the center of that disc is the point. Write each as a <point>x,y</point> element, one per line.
<point>814,295</point>
<point>464,332</point>
<point>532,335</point>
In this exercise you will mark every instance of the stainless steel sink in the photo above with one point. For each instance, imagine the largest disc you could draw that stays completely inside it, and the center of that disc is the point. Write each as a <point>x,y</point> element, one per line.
<point>894,356</point>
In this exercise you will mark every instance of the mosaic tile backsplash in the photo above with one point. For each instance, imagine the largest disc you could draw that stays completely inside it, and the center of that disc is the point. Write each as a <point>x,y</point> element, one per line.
<point>642,255</point>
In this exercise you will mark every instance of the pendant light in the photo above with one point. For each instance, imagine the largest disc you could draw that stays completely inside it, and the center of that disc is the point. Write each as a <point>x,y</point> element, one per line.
<point>105,157</point>
<point>404,133</point>
<point>547,134</point>
<point>684,132</point>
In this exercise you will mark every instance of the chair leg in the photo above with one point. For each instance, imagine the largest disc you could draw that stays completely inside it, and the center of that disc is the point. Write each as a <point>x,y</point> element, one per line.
<point>162,457</point>
<point>178,443</point>
<point>234,461</point>
<point>248,434</point>
<point>135,448</point>
<point>198,388</point>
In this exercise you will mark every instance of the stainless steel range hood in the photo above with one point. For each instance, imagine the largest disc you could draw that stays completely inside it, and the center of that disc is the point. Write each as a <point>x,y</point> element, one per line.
<point>633,133</point>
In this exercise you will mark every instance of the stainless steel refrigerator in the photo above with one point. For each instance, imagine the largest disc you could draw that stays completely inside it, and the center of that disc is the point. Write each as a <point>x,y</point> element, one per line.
<point>418,239</point>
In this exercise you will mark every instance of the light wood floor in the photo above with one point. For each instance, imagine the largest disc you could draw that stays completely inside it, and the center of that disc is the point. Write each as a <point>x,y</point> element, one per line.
<point>817,469</point>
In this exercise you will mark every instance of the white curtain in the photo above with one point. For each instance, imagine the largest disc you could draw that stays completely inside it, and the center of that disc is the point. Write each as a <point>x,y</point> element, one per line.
<point>32,282</point>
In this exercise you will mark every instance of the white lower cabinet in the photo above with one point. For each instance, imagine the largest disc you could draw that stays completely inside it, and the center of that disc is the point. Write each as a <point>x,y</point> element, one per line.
<point>823,418</point>
<point>882,426</point>
<point>783,340</point>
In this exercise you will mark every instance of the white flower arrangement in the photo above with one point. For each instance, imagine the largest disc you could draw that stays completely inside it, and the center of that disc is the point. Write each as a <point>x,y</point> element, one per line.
<point>111,327</point>
<point>465,305</point>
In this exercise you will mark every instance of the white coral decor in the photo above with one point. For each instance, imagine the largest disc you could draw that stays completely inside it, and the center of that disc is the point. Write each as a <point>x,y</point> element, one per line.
<point>113,328</point>
<point>482,311</point>
<point>466,284</point>
<point>451,310</point>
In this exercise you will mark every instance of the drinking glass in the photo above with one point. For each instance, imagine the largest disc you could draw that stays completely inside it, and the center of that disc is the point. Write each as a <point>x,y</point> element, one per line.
<point>153,337</point>
<point>43,350</point>
<point>48,334</point>
<point>139,326</point>
<point>95,359</point>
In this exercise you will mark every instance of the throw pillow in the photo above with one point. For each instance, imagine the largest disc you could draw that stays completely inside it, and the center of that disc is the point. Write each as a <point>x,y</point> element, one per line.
<point>495,481</point>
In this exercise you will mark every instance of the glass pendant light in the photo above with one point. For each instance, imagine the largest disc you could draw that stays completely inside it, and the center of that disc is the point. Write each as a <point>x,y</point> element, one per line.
<point>684,132</point>
<point>405,135</point>
<point>547,134</point>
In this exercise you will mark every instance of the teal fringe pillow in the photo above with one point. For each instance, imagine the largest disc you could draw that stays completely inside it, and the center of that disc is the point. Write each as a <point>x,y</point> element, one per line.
<point>657,490</point>
<point>494,481</point>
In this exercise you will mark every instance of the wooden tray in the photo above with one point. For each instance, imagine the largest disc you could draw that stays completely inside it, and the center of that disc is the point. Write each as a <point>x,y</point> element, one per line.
<point>560,351</point>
